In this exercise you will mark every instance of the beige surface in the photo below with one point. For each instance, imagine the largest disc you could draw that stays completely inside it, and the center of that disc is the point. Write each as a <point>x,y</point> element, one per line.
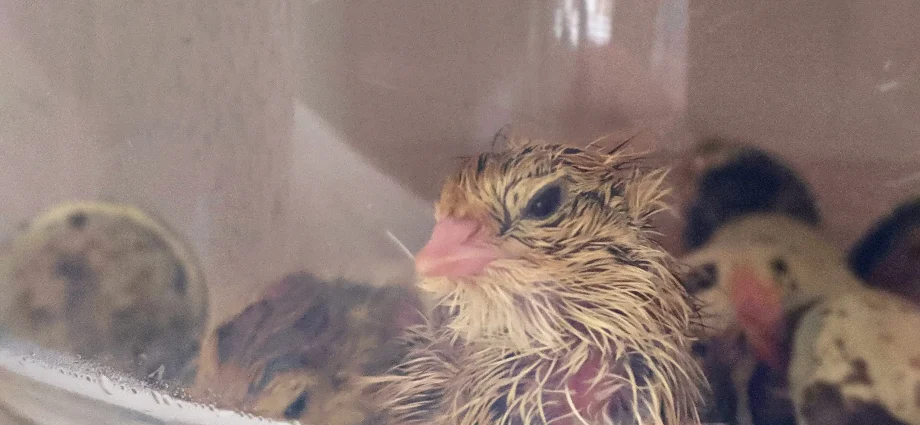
<point>244,123</point>
<point>8,419</point>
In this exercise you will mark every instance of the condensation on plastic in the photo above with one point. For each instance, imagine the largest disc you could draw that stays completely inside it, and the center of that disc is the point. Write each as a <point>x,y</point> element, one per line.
<point>280,135</point>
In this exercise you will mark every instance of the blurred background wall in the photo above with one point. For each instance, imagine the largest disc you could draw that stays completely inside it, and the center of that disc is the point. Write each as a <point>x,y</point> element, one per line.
<point>282,134</point>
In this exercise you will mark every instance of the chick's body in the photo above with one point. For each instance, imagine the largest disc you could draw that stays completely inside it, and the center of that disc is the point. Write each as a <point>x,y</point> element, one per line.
<point>555,303</point>
<point>299,352</point>
<point>856,360</point>
<point>107,282</point>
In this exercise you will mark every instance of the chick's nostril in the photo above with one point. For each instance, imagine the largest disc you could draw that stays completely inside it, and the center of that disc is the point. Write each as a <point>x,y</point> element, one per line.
<point>471,233</point>
<point>449,232</point>
<point>469,229</point>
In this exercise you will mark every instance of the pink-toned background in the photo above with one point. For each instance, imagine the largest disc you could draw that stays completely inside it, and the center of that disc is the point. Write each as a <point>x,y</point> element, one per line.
<point>282,134</point>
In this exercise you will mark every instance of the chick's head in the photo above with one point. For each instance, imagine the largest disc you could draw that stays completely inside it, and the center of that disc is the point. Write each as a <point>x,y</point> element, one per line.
<point>543,245</point>
<point>758,273</point>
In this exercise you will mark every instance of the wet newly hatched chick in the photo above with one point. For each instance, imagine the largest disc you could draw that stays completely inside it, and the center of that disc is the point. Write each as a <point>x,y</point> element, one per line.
<point>724,180</point>
<point>888,256</point>
<point>558,305</point>
<point>299,352</point>
<point>843,353</point>
<point>107,282</point>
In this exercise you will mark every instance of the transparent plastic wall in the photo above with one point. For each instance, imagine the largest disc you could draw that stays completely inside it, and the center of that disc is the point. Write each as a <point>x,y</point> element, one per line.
<point>283,135</point>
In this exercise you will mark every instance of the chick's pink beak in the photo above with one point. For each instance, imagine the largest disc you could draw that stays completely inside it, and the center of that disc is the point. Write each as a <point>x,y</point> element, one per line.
<point>760,312</point>
<point>456,249</point>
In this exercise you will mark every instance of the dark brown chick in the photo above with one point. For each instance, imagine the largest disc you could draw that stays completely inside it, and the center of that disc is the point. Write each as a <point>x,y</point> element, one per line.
<point>110,283</point>
<point>558,305</point>
<point>888,256</point>
<point>724,180</point>
<point>299,351</point>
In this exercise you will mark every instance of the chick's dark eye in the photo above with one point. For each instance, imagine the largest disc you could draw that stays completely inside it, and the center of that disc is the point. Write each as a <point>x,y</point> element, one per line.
<point>702,278</point>
<point>779,266</point>
<point>544,203</point>
<point>296,408</point>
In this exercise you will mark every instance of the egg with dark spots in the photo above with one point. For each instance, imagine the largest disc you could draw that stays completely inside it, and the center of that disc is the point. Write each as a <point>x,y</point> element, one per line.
<point>108,281</point>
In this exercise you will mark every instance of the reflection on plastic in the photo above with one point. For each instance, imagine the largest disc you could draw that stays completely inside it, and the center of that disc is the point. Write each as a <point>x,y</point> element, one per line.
<point>45,388</point>
<point>598,21</point>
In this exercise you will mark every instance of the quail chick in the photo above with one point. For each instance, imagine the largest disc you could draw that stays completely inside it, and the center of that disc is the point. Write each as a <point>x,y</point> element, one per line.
<point>888,256</point>
<point>110,283</point>
<point>724,180</point>
<point>843,353</point>
<point>555,303</point>
<point>299,352</point>
<point>771,238</point>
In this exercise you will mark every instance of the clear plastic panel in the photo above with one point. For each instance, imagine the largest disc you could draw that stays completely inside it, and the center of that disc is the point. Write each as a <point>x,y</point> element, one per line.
<point>277,136</point>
